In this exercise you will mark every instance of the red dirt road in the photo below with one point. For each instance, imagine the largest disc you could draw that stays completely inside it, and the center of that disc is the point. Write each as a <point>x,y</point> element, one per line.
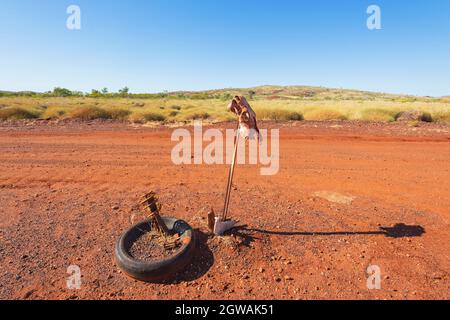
<point>67,191</point>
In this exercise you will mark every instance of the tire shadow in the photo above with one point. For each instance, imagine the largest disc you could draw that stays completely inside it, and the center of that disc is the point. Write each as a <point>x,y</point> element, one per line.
<point>202,261</point>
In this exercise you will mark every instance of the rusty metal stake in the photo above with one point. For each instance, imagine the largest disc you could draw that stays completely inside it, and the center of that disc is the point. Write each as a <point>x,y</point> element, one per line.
<point>151,204</point>
<point>230,177</point>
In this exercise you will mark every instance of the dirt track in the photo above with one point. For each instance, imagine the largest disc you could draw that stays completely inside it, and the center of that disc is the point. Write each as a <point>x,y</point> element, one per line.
<point>68,191</point>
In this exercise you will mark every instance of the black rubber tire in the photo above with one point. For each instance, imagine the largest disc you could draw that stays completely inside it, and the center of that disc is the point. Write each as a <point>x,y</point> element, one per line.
<point>157,270</point>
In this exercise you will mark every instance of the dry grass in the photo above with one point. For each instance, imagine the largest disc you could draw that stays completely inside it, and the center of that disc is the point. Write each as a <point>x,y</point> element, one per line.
<point>89,113</point>
<point>143,117</point>
<point>379,114</point>
<point>53,113</point>
<point>324,114</point>
<point>442,116</point>
<point>278,114</point>
<point>270,103</point>
<point>16,113</point>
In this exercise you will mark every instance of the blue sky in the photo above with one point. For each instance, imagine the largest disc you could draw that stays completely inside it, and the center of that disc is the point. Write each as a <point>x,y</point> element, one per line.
<point>156,45</point>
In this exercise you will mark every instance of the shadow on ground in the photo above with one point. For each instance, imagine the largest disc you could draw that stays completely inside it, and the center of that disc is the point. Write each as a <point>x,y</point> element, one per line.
<point>202,261</point>
<point>203,258</point>
<point>400,230</point>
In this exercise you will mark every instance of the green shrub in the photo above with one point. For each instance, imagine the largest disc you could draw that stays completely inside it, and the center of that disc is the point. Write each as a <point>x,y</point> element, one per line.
<point>324,114</point>
<point>89,113</point>
<point>226,97</point>
<point>62,92</point>
<point>15,113</point>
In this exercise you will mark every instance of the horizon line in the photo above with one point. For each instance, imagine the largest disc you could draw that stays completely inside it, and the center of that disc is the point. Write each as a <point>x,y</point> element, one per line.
<point>229,88</point>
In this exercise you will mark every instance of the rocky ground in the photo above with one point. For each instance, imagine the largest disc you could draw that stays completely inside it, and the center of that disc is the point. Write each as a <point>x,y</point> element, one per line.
<point>347,196</point>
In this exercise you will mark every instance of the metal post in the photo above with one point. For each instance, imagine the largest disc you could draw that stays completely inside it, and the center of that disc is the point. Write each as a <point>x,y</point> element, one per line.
<point>230,177</point>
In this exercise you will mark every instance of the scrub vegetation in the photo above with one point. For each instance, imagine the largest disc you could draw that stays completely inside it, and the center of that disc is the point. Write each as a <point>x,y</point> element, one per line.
<point>295,103</point>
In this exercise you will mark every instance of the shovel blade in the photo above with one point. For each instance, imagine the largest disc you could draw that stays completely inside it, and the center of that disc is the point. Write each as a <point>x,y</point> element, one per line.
<point>220,227</point>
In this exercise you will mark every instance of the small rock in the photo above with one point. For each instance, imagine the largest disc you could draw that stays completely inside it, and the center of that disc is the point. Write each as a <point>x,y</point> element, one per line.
<point>28,294</point>
<point>96,283</point>
<point>437,276</point>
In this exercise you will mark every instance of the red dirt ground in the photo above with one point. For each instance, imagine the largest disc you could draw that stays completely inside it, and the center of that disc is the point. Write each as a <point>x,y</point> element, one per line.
<point>68,190</point>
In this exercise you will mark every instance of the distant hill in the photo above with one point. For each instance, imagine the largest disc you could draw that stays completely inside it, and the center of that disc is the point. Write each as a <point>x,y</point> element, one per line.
<point>18,93</point>
<point>266,92</point>
<point>273,92</point>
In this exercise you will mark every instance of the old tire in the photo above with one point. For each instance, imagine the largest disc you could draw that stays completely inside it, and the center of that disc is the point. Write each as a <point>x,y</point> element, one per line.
<point>158,270</point>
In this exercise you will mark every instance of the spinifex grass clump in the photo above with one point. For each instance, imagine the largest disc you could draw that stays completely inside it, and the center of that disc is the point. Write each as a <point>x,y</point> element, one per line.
<point>324,114</point>
<point>15,113</point>
<point>279,114</point>
<point>119,114</point>
<point>89,113</point>
<point>442,116</point>
<point>379,114</point>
